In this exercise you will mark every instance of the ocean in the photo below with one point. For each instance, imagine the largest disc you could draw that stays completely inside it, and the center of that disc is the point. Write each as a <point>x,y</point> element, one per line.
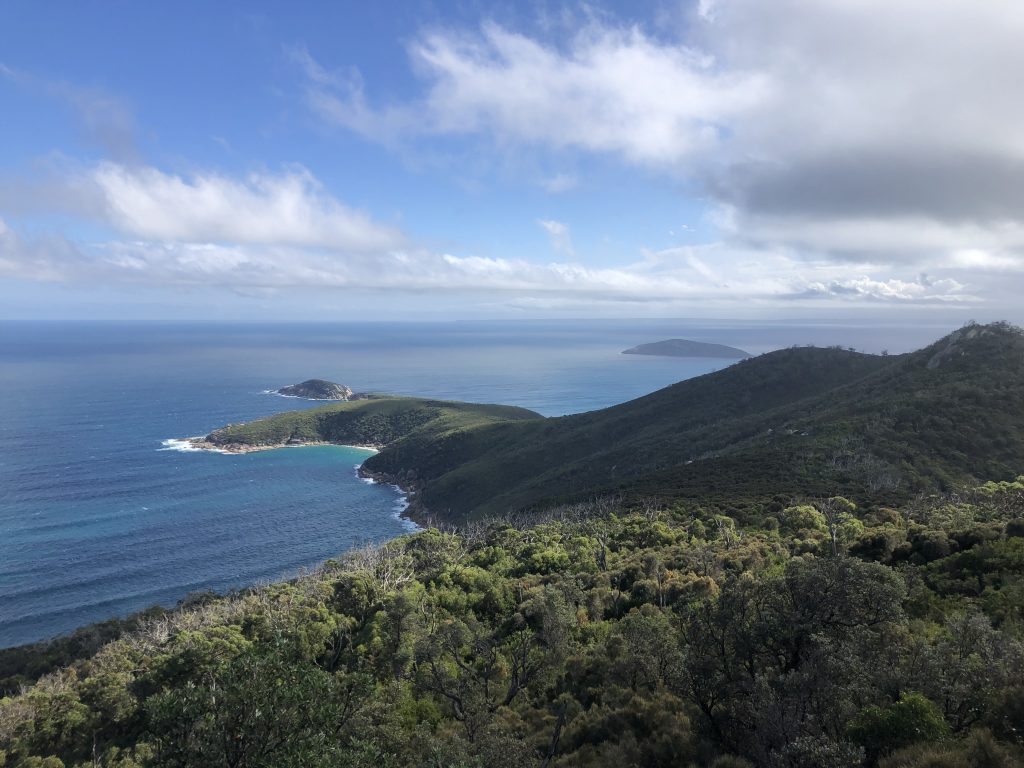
<point>100,516</point>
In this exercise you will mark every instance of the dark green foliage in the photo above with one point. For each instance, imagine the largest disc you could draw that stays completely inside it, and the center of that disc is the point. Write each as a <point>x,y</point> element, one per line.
<point>260,710</point>
<point>602,636</point>
<point>911,720</point>
<point>978,750</point>
<point>27,663</point>
<point>797,422</point>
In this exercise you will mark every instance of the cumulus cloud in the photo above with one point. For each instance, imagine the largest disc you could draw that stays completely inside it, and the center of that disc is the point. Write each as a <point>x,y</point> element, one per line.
<point>290,208</point>
<point>850,152</point>
<point>695,276</point>
<point>935,291</point>
<point>616,90</point>
<point>822,124</point>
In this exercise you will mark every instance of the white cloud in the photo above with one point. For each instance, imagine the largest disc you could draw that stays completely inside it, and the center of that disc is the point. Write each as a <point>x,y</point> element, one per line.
<point>893,289</point>
<point>561,239</point>
<point>693,277</point>
<point>879,239</point>
<point>616,90</point>
<point>861,130</point>
<point>290,208</point>
<point>559,183</point>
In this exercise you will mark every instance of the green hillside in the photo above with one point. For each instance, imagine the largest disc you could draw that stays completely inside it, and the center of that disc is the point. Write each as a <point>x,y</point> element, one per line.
<point>801,420</point>
<point>379,421</point>
<point>798,421</point>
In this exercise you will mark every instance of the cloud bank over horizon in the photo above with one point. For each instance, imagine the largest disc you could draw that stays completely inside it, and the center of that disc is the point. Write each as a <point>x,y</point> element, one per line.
<point>841,154</point>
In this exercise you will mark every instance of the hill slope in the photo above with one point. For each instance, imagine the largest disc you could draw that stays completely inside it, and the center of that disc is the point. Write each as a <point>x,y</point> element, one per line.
<point>801,420</point>
<point>380,421</point>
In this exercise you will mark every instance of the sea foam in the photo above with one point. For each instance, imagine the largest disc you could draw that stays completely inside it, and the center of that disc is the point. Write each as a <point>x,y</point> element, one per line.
<point>185,445</point>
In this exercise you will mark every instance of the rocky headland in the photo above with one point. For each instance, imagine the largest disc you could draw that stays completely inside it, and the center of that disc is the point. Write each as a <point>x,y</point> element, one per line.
<point>318,389</point>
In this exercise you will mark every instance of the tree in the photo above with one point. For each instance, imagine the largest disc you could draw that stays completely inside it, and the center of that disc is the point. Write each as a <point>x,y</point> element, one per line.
<point>912,719</point>
<point>260,711</point>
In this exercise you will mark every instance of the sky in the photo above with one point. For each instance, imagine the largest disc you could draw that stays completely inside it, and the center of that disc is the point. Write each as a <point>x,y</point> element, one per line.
<point>419,159</point>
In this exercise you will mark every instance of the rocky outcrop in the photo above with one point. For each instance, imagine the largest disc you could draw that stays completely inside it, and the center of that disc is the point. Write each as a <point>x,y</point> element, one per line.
<point>317,389</point>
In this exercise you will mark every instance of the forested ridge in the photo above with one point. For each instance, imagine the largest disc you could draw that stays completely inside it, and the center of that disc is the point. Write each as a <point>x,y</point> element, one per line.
<point>804,420</point>
<point>799,421</point>
<point>797,632</point>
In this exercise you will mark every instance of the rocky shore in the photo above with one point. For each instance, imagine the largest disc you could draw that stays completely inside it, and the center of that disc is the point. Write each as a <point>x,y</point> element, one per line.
<point>406,483</point>
<point>318,389</point>
<point>205,444</point>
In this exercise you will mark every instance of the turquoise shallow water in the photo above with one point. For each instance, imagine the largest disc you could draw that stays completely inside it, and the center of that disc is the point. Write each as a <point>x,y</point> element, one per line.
<point>98,520</point>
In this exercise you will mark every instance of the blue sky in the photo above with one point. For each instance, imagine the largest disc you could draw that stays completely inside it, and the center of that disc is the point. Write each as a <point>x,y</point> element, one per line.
<point>242,161</point>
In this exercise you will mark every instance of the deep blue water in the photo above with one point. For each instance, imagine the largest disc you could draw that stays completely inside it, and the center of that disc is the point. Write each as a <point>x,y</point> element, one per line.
<point>96,520</point>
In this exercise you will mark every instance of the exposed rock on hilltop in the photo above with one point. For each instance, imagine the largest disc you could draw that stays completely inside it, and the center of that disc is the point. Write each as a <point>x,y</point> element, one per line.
<point>317,389</point>
<point>687,348</point>
<point>955,345</point>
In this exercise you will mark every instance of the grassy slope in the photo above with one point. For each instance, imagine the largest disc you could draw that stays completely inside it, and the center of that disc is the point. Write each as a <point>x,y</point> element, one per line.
<point>380,421</point>
<point>798,420</point>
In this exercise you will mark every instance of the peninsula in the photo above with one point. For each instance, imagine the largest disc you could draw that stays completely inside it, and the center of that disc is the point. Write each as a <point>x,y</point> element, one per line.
<point>317,389</point>
<point>807,422</point>
<point>687,348</point>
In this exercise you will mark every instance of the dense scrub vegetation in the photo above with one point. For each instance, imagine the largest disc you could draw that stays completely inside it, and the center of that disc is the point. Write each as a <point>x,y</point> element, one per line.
<point>780,632</point>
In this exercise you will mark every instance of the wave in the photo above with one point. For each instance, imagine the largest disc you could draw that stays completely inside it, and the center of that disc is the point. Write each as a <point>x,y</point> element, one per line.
<point>185,445</point>
<point>367,480</point>
<point>299,397</point>
<point>401,503</point>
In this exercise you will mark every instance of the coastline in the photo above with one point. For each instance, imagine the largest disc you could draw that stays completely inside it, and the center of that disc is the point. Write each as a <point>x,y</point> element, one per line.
<point>200,443</point>
<point>405,485</point>
<point>328,400</point>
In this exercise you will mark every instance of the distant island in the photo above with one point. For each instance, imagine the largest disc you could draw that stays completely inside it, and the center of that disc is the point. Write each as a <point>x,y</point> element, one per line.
<point>687,348</point>
<point>317,389</point>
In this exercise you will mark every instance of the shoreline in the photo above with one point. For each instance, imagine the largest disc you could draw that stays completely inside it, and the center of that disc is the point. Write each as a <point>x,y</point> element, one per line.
<point>405,485</point>
<point>200,443</point>
<point>275,393</point>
